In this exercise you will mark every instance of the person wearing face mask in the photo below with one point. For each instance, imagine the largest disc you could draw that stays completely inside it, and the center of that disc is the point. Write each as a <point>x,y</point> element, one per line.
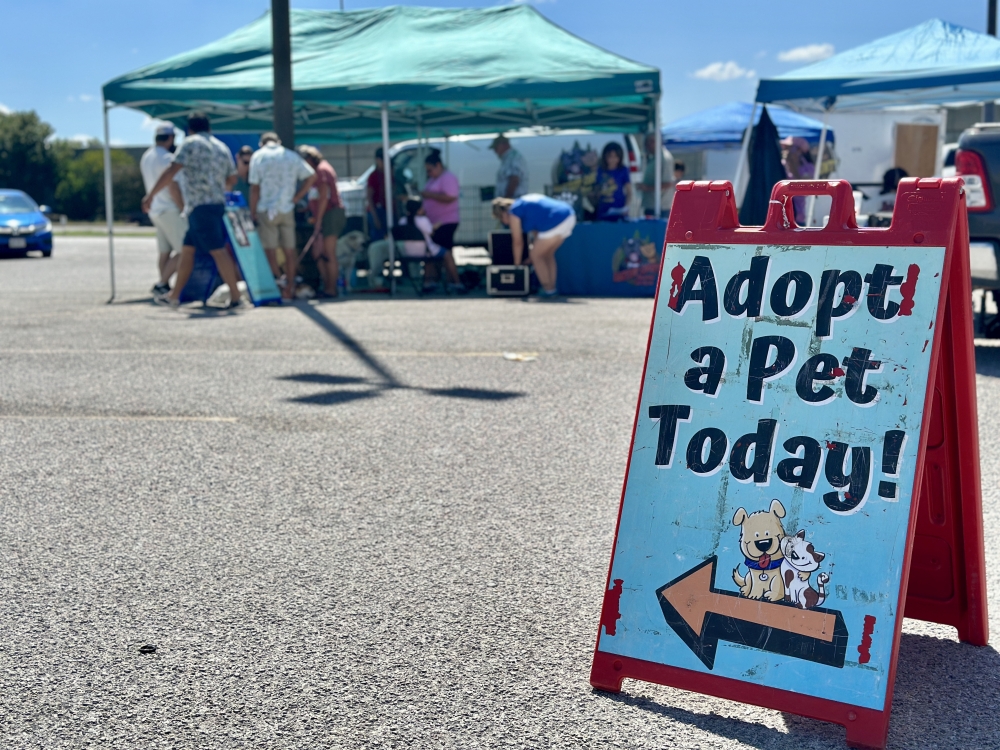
<point>167,209</point>
<point>440,196</point>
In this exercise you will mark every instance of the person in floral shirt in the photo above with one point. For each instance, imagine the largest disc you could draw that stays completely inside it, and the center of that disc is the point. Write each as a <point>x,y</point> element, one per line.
<point>208,171</point>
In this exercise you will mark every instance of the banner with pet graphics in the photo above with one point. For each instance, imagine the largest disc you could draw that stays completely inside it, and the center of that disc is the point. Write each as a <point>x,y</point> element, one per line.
<point>772,470</point>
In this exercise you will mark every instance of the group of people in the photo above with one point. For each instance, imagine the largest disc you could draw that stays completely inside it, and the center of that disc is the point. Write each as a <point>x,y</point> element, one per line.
<point>434,212</point>
<point>186,197</point>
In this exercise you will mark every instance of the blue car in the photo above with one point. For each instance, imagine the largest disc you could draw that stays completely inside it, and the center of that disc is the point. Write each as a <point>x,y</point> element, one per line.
<point>23,225</point>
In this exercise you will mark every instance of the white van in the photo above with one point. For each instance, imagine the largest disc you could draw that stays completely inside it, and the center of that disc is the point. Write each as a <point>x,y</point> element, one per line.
<point>471,160</point>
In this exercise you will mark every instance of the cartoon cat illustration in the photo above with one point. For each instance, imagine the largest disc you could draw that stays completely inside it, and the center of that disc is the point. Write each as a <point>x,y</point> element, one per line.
<point>799,561</point>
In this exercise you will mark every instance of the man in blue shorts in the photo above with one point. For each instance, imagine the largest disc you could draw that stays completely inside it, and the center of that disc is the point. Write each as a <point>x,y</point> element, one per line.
<point>208,171</point>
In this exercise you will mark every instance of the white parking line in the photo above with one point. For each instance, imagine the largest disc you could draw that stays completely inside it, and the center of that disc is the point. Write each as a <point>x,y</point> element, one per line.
<point>118,417</point>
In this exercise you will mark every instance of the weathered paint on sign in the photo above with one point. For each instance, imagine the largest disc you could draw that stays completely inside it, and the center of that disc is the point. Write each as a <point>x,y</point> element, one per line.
<point>764,519</point>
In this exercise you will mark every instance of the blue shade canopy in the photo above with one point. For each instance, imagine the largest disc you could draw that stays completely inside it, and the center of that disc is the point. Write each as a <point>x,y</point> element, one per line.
<point>722,127</point>
<point>934,63</point>
<point>444,70</point>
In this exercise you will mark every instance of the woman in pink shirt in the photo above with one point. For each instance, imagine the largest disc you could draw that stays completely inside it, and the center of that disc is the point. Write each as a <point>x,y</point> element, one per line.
<point>329,218</point>
<point>440,196</point>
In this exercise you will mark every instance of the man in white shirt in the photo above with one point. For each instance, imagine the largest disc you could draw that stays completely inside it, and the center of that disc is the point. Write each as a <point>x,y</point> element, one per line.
<point>275,171</point>
<point>167,209</point>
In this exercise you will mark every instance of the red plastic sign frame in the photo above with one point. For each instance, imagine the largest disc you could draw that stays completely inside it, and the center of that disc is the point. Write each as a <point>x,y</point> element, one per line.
<point>943,574</point>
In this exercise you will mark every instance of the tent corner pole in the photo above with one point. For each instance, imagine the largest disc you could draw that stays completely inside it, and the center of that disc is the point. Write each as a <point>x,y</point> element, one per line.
<point>658,176</point>
<point>744,151</point>
<point>109,206</point>
<point>389,197</point>
<point>818,168</point>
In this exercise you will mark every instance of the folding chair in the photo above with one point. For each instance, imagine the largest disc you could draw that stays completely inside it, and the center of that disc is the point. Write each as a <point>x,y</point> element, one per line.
<point>411,250</point>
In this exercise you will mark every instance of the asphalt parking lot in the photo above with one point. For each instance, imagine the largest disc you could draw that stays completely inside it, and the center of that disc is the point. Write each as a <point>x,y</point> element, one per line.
<point>352,524</point>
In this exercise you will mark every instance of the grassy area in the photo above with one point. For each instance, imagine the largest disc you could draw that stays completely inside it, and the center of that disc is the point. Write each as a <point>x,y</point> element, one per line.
<point>100,229</point>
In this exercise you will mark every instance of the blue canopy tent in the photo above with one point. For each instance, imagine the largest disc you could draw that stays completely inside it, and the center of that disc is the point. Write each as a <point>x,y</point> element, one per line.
<point>723,127</point>
<point>934,63</point>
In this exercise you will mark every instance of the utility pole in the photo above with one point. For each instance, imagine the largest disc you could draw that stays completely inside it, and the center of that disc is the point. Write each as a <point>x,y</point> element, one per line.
<point>989,114</point>
<point>281,51</point>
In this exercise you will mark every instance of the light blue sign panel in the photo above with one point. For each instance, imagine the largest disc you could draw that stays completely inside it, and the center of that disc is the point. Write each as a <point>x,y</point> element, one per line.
<point>765,515</point>
<point>250,255</point>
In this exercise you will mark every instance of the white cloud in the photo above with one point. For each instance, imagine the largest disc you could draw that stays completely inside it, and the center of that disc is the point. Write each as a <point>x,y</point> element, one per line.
<point>86,97</point>
<point>807,53</point>
<point>81,139</point>
<point>4,110</point>
<point>724,71</point>
<point>71,98</point>
<point>151,123</point>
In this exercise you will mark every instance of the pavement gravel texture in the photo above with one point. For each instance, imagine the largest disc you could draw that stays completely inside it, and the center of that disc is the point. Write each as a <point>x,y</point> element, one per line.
<point>351,525</point>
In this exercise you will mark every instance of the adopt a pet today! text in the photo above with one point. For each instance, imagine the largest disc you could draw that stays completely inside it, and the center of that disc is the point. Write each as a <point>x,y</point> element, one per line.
<point>820,380</point>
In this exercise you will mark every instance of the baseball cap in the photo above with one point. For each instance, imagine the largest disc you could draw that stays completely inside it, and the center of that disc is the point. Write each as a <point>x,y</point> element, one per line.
<point>498,140</point>
<point>162,130</point>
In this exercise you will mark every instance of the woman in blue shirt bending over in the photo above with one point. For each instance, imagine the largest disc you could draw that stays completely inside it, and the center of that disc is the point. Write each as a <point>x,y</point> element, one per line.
<point>613,188</point>
<point>549,220</point>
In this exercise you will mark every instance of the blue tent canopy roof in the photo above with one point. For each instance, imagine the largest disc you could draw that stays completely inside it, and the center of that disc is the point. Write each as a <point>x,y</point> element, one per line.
<point>934,63</point>
<point>722,127</point>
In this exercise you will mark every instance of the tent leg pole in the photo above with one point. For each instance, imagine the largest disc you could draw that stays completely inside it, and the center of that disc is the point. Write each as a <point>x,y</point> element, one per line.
<point>744,150</point>
<point>109,205</point>
<point>817,169</point>
<point>389,198</point>
<point>420,148</point>
<point>658,171</point>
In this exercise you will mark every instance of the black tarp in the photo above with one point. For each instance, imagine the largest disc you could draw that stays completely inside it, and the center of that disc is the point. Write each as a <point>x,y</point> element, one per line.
<point>766,170</point>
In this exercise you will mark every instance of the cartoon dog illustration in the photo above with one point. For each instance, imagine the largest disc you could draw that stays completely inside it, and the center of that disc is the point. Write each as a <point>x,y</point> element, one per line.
<point>760,540</point>
<point>800,560</point>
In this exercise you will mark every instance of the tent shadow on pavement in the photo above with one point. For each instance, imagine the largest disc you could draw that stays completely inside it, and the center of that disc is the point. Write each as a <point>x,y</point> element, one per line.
<point>926,712</point>
<point>385,380</point>
<point>320,378</point>
<point>332,398</point>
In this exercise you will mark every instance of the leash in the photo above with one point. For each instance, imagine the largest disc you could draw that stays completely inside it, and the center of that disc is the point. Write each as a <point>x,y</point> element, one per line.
<point>309,244</point>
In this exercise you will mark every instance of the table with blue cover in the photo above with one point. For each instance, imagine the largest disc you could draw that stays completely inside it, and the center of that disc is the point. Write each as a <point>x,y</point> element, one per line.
<point>620,259</point>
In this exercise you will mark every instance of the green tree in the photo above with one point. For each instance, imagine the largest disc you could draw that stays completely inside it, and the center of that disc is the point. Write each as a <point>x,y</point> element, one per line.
<point>63,174</point>
<point>27,161</point>
<point>128,187</point>
<point>80,193</point>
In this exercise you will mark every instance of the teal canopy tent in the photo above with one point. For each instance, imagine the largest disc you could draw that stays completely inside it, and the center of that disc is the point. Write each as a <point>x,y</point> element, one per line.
<point>441,71</point>
<point>415,71</point>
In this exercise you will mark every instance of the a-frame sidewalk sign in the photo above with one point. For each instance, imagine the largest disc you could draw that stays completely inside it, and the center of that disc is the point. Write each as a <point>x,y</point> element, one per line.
<point>804,465</point>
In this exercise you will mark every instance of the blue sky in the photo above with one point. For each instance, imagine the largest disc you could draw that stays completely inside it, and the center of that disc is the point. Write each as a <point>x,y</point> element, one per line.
<point>709,52</point>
